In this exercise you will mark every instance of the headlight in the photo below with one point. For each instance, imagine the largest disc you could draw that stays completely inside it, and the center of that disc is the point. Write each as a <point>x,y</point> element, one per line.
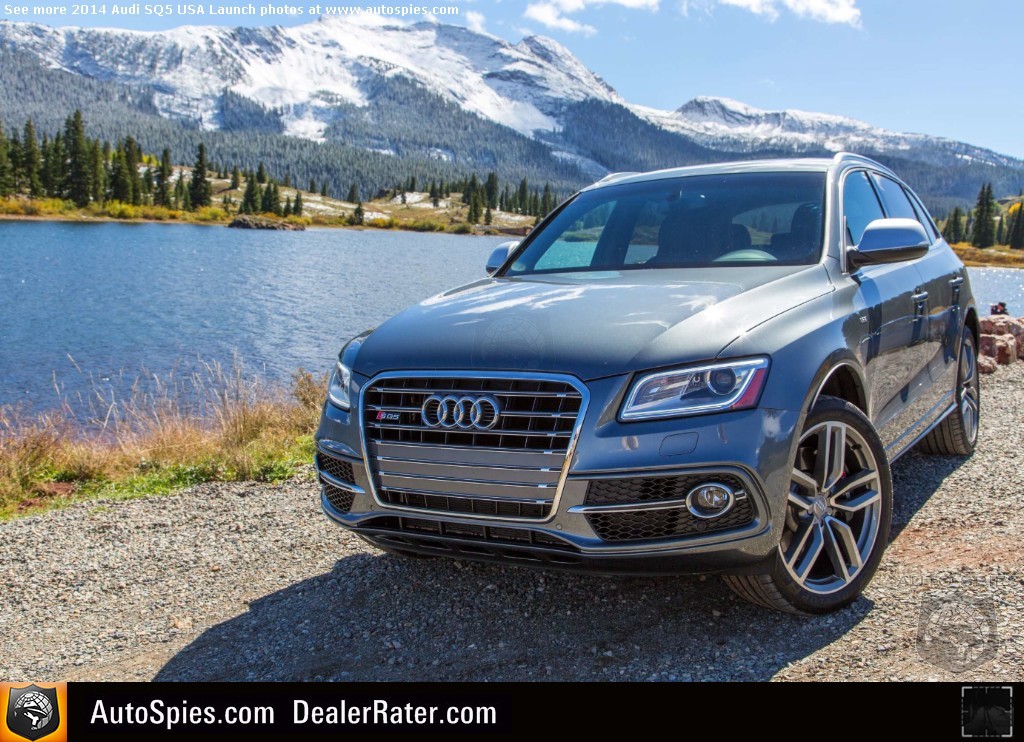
<point>696,390</point>
<point>341,380</point>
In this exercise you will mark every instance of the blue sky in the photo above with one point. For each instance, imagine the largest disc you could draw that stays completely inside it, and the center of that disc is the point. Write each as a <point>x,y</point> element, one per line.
<point>946,68</point>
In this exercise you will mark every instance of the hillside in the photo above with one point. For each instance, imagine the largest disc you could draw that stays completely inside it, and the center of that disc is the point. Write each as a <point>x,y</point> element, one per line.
<point>370,101</point>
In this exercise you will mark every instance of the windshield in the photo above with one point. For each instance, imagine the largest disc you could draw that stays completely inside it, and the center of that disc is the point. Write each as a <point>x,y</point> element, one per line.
<point>690,222</point>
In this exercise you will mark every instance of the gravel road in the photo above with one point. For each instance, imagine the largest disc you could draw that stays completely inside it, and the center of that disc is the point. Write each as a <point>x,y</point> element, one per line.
<point>249,581</point>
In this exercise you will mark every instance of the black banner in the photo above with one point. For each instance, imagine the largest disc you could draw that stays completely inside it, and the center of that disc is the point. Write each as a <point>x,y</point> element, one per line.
<point>321,710</point>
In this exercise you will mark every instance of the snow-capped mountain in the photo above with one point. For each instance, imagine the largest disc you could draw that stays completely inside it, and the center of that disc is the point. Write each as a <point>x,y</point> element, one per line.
<point>721,123</point>
<point>447,94</point>
<point>305,71</point>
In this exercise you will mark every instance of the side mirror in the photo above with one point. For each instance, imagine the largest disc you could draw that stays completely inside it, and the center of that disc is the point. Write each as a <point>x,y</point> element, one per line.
<point>499,256</point>
<point>889,241</point>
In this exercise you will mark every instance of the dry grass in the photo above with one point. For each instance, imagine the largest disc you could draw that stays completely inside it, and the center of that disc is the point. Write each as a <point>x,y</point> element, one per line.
<point>998,256</point>
<point>214,425</point>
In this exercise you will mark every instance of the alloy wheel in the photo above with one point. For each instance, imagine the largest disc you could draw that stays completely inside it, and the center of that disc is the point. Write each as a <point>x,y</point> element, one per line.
<point>834,508</point>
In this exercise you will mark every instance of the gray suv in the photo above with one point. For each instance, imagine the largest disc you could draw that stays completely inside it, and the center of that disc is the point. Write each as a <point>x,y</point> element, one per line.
<point>706,369</point>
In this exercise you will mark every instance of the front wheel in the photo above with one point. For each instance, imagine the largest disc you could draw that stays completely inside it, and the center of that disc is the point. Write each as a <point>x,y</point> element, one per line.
<point>838,512</point>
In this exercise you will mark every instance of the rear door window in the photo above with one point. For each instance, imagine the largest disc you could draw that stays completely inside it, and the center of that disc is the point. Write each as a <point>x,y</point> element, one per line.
<point>896,203</point>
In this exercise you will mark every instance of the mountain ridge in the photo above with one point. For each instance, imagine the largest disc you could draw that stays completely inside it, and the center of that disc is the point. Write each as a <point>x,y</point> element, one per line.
<point>368,82</point>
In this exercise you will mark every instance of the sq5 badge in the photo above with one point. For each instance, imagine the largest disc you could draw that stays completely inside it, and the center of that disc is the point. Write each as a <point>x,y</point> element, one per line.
<point>33,712</point>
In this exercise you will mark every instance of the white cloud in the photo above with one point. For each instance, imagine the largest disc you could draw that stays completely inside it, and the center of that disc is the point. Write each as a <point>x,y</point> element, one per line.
<point>475,21</point>
<point>555,13</point>
<point>827,11</point>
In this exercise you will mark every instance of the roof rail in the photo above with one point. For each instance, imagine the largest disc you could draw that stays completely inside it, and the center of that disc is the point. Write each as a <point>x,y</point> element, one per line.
<point>615,176</point>
<point>853,157</point>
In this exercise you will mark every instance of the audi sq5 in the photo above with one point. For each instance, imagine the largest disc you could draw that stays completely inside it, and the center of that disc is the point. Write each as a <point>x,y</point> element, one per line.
<point>704,369</point>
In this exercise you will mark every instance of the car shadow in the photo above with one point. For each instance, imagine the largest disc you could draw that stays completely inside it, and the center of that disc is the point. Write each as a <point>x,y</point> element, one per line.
<point>379,617</point>
<point>915,478</point>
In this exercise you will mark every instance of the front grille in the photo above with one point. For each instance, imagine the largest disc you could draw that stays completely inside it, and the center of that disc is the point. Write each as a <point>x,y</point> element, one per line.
<point>511,470</point>
<point>645,525</point>
<point>341,500</point>
<point>468,505</point>
<point>340,470</point>
<point>652,489</point>
<point>469,531</point>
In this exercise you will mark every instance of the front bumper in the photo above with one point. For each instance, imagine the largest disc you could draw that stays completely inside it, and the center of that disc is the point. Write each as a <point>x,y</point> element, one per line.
<point>750,449</point>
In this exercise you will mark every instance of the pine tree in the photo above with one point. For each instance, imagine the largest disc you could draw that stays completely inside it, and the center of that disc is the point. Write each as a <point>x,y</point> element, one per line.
<point>133,156</point>
<point>1001,231</point>
<point>523,197</point>
<point>312,185</point>
<point>31,162</point>
<point>358,216</point>
<point>6,172</point>
<point>162,193</point>
<point>470,190</point>
<point>491,190</point>
<point>287,210</point>
<point>101,179</point>
<point>476,203</point>
<point>200,190</point>
<point>488,216</point>
<point>186,196</point>
<point>261,174</point>
<point>236,179</point>
<point>79,166</point>
<point>983,234</point>
<point>251,198</point>
<point>323,189</point>
<point>353,194</point>
<point>297,205</point>
<point>547,201</point>
<point>120,181</point>
<point>954,231</point>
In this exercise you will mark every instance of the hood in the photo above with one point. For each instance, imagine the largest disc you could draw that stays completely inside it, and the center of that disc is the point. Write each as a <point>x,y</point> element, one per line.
<point>587,324</point>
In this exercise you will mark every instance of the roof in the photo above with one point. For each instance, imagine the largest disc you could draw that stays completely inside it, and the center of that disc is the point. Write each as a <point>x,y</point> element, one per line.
<point>802,164</point>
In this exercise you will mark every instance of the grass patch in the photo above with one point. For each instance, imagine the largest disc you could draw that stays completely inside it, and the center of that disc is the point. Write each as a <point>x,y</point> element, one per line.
<point>999,256</point>
<point>213,426</point>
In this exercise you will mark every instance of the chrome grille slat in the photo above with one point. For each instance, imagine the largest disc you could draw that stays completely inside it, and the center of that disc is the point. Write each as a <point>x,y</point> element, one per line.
<point>495,433</point>
<point>514,470</point>
<point>467,472</point>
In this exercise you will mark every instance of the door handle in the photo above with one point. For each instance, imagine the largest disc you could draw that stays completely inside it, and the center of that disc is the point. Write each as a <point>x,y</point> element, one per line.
<point>920,296</point>
<point>956,282</point>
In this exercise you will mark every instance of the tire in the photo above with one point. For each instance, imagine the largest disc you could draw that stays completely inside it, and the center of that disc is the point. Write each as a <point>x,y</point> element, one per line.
<point>392,551</point>
<point>957,434</point>
<point>838,513</point>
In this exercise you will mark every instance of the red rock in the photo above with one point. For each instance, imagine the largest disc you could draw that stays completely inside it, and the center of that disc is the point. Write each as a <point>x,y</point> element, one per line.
<point>987,345</point>
<point>985,325</point>
<point>1006,349</point>
<point>986,365</point>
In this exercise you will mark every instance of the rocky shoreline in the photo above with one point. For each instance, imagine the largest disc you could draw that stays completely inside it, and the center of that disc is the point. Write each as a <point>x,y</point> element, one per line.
<point>1001,342</point>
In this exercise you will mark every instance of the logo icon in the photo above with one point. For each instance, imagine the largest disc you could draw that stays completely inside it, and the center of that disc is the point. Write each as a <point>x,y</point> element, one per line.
<point>463,413</point>
<point>957,632</point>
<point>33,712</point>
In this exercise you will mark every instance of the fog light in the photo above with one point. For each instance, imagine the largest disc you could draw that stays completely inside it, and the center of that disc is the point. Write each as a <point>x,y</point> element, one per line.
<point>710,500</point>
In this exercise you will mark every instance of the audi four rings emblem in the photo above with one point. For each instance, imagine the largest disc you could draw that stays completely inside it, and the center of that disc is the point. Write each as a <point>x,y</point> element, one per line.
<point>465,413</point>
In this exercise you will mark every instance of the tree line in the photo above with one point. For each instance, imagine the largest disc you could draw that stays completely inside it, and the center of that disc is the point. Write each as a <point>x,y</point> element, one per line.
<point>73,167</point>
<point>987,224</point>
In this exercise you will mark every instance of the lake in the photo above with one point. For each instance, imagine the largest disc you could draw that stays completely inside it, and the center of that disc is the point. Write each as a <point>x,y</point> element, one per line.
<point>94,306</point>
<point>86,306</point>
